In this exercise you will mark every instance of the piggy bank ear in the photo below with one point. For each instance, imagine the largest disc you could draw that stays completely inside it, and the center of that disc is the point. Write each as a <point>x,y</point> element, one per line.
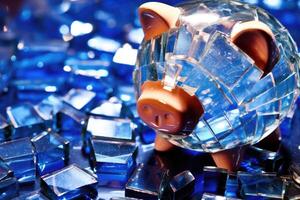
<point>157,18</point>
<point>257,40</point>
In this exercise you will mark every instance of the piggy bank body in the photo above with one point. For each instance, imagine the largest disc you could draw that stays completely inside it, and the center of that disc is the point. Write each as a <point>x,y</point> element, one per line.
<point>225,74</point>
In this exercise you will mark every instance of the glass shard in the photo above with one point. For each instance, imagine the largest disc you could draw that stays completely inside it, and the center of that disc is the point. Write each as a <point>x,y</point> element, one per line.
<point>52,152</point>
<point>80,99</point>
<point>8,183</point>
<point>19,156</point>
<point>25,120</point>
<point>70,182</point>
<point>144,182</point>
<point>112,161</point>
<point>220,57</point>
<point>214,180</point>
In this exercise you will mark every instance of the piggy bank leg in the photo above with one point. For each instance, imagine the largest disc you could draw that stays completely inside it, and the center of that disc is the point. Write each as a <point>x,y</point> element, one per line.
<point>162,144</point>
<point>229,159</point>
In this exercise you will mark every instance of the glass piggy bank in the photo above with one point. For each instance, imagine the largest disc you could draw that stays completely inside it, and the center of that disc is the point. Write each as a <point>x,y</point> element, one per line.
<point>213,75</point>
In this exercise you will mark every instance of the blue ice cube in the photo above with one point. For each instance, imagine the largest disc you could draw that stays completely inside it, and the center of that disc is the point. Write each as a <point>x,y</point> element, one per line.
<point>105,128</point>
<point>19,155</point>
<point>232,186</point>
<point>35,90</point>
<point>123,62</point>
<point>113,107</point>
<point>214,180</point>
<point>144,182</point>
<point>261,160</point>
<point>83,100</point>
<point>25,120</point>
<point>48,108</point>
<point>5,130</point>
<point>32,48</point>
<point>182,185</point>
<point>36,195</point>
<point>266,185</point>
<point>36,59</point>
<point>112,161</point>
<point>8,183</point>
<point>70,182</point>
<point>52,152</point>
<point>70,119</point>
<point>112,129</point>
<point>91,74</point>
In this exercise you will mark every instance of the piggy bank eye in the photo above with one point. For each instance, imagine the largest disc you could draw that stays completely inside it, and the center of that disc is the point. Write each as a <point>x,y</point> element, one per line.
<point>257,40</point>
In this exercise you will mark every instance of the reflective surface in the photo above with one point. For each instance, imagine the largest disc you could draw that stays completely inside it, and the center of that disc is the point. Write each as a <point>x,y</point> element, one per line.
<point>242,104</point>
<point>69,183</point>
<point>50,47</point>
<point>19,156</point>
<point>112,161</point>
<point>52,152</point>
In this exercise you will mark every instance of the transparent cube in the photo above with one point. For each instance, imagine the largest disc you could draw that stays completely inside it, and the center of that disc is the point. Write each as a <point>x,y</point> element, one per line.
<point>261,185</point>
<point>182,185</point>
<point>214,180</point>
<point>70,182</point>
<point>144,182</point>
<point>25,120</point>
<point>232,186</point>
<point>112,161</point>
<point>91,74</point>
<point>48,109</point>
<point>83,100</point>
<point>8,183</point>
<point>70,119</point>
<point>52,152</point>
<point>258,160</point>
<point>110,108</point>
<point>19,156</point>
<point>112,129</point>
<point>35,90</point>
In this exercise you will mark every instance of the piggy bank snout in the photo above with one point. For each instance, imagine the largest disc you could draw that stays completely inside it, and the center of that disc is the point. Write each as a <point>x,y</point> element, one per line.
<point>172,112</point>
<point>160,116</point>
